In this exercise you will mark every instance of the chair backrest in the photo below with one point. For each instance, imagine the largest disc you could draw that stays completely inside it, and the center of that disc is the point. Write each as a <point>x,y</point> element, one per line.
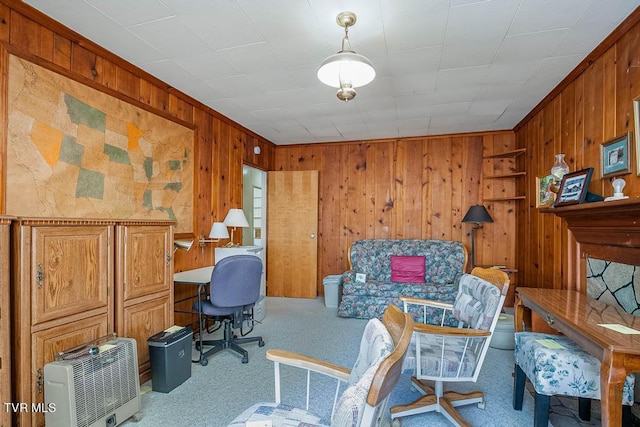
<point>400,326</point>
<point>481,295</point>
<point>235,281</point>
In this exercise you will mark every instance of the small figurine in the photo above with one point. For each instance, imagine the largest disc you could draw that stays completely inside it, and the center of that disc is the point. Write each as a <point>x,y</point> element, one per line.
<point>618,184</point>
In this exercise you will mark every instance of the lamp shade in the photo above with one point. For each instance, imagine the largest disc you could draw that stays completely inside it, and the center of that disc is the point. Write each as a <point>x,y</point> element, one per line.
<point>219,231</point>
<point>477,214</point>
<point>346,68</point>
<point>183,244</point>
<point>236,218</point>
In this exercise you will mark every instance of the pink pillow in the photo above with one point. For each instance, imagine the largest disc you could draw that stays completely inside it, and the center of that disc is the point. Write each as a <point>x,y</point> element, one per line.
<point>407,269</point>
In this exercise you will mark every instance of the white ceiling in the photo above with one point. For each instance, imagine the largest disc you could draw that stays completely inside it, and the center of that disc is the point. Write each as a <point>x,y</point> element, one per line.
<point>443,66</point>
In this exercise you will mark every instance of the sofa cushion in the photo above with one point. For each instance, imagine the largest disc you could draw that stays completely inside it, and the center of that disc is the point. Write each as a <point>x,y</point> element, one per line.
<point>407,268</point>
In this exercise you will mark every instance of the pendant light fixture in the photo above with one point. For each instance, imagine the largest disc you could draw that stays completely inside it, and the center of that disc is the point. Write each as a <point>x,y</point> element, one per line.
<point>346,69</point>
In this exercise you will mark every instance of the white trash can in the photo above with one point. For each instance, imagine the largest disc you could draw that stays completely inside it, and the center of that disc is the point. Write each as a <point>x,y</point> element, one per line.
<point>332,290</point>
<point>503,334</point>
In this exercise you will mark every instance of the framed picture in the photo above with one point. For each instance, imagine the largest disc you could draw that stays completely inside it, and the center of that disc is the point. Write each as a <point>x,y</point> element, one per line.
<point>636,121</point>
<point>573,188</point>
<point>614,156</point>
<point>545,197</point>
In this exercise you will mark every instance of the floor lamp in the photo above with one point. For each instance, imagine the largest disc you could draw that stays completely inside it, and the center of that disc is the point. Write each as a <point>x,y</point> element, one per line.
<point>476,214</point>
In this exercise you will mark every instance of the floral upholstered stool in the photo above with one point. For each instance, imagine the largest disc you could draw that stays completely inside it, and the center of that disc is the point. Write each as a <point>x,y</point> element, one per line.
<point>555,365</point>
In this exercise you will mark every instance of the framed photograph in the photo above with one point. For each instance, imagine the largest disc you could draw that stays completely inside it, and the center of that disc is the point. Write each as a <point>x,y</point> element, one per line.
<point>573,188</point>
<point>614,156</point>
<point>545,197</point>
<point>636,121</point>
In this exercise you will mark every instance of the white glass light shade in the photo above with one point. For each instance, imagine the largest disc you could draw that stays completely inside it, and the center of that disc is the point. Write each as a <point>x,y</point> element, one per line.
<point>219,231</point>
<point>236,218</point>
<point>346,67</point>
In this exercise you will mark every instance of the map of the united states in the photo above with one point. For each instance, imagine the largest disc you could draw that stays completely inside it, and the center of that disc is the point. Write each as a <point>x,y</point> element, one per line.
<point>76,152</point>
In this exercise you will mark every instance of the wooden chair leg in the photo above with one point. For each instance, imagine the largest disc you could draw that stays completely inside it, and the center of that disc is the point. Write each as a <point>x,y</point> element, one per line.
<point>584,409</point>
<point>519,380</point>
<point>541,410</point>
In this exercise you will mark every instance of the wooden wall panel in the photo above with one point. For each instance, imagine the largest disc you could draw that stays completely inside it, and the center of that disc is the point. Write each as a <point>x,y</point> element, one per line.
<point>409,188</point>
<point>595,105</point>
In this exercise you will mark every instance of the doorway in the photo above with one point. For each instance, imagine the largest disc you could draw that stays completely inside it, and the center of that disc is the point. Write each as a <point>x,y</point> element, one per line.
<point>254,197</point>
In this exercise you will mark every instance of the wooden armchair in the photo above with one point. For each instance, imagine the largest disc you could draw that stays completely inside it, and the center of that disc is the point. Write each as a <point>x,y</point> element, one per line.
<point>444,354</point>
<point>369,382</point>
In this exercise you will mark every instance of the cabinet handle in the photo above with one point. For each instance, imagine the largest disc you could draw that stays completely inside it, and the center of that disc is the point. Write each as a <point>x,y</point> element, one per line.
<point>39,275</point>
<point>168,258</point>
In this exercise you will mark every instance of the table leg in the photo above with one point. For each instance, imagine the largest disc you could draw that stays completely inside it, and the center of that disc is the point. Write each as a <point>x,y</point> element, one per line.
<point>521,317</point>
<point>612,376</point>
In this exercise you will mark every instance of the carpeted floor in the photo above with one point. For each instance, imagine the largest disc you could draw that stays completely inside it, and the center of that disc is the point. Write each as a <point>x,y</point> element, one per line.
<point>216,393</point>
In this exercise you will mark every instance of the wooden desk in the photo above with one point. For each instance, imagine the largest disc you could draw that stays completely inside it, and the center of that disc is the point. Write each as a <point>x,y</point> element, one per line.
<point>578,317</point>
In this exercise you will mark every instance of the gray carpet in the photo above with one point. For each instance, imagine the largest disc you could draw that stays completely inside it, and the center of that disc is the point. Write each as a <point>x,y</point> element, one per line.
<point>216,393</point>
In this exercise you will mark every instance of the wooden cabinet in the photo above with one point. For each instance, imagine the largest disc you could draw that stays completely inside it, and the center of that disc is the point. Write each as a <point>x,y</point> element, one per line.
<point>5,322</point>
<point>504,169</point>
<point>74,281</point>
<point>62,274</point>
<point>144,284</point>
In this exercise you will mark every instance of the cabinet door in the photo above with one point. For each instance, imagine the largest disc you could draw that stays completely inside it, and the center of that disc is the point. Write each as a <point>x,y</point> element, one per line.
<point>142,321</point>
<point>46,344</point>
<point>144,261</point>
<point>70,271</point>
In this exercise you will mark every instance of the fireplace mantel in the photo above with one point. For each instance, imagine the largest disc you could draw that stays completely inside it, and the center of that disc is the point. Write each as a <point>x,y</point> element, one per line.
<point>605,230</point>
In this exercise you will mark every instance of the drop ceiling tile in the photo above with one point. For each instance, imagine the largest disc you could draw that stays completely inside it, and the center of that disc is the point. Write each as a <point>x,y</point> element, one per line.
<point>416,83</point>
<point>171,37</point>
<point>464,22</point>
<point>273,80</point>
<point>543,15</point>
<point>415,61</point>
<point>417,24</point>
<point>208,65</point>
<point>251,58</point>
<point>513,71</point>
<point>234,86</point>
<point>529,46</point>
<point>221,24</point>
<point>467,55</point>
<point>128,13</point>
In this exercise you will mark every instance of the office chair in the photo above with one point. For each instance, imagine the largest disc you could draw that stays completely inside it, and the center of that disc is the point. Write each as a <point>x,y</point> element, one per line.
<point>368,384</point>
<point>443,354</point>
<point>233,291</point>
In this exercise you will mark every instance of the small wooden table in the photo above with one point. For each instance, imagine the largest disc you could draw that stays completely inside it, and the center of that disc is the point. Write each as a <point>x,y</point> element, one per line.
<point>579,318</point>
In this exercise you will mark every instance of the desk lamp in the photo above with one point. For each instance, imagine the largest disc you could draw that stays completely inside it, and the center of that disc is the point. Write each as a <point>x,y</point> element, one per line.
<point>476,214</point>
<point>184,244</point>
<point>235,218</point>
<point>218,231</point>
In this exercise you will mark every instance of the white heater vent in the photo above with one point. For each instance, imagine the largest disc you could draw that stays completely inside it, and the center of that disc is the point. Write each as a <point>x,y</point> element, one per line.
<point>98,388</point>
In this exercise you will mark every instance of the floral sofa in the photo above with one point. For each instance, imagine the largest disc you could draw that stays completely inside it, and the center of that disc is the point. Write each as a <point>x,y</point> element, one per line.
<point>367,287</point>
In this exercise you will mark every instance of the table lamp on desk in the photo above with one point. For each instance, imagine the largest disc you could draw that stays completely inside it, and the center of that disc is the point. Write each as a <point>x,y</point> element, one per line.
<point>235,218</point>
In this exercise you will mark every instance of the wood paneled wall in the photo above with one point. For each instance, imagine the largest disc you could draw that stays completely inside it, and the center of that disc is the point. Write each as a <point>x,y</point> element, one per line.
<point>221,145</point>
<point>407,188</point>
<point>592,105</point>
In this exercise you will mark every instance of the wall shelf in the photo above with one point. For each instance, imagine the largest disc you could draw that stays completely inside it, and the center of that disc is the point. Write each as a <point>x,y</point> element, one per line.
<point>505,154</point>
<point>504,199</point>
<point>512,154</point>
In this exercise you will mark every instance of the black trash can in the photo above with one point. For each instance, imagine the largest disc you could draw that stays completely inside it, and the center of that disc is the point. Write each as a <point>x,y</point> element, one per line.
<point>170,356</point>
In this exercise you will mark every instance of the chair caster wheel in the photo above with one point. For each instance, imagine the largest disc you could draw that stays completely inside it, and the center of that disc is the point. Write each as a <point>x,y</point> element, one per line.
<point>396,422</point>
<point>245,359</point>
<point>204,362</point>
<point>260,343</point>
<point>482,404</point>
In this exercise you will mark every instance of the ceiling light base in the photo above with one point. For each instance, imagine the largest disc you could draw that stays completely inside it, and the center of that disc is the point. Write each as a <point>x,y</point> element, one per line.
<point>346,93</point>
<point>346,19</point>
